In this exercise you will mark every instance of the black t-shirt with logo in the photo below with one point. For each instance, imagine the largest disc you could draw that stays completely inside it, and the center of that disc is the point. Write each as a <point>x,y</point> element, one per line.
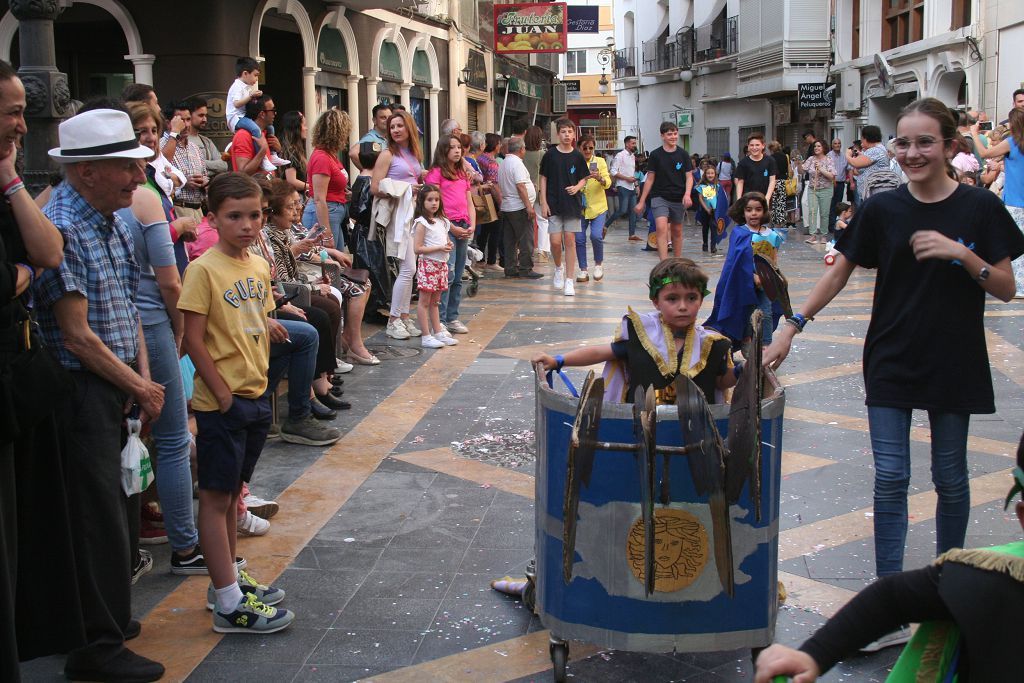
<point>756,174</point>
<point>670,169</point>
<point>925,346</point>
<point>562,169</point>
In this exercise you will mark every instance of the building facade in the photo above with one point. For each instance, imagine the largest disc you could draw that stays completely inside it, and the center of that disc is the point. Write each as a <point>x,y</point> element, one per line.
<point>586,72</point>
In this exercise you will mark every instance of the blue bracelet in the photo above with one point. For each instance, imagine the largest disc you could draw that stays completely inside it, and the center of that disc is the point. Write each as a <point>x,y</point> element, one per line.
<point>559,362</point>
<point>737,370</point>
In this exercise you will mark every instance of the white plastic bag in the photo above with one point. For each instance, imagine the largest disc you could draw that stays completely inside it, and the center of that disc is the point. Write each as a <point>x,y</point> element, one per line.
<point>136,467</point>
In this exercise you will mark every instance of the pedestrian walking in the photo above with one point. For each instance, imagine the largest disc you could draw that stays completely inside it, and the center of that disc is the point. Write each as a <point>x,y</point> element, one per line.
<point>623,172</point>
<point>563,175</point>
<point>821,174</point>
<point>940,247</point>
<point>595,211</point>
<point>669,184</point>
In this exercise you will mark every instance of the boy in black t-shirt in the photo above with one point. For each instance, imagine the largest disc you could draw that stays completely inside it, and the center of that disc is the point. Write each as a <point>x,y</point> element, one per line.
<point>669,183</point>
<point>756,172</point>
<point>563,175</point>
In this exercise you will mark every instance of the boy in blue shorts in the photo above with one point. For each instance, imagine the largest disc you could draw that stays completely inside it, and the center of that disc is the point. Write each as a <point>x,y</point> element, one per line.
<point>225,298</point>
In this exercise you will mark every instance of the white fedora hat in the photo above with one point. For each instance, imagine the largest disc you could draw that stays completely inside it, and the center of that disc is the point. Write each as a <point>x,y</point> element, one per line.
<point>98,134</point>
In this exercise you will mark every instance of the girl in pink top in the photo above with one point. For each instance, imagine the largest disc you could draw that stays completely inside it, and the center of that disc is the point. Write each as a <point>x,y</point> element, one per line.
<point>448,172</point>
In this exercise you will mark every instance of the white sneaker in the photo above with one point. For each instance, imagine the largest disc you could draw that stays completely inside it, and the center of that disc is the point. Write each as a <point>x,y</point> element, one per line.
<point>570,289</point>
<point>598,272</point>
<point>559,280</point>
<point>411,327</point>
<point>897,637</point>
<point>267,165</point>
<point>428,341</point>
<point>457,327</point>
<point>396,330</point>
<point>582,276</point>
<point>446,338</point>
<point>278,161</point>
<point>343,367</point>
<point>251,525</point>
<point>260,507</point>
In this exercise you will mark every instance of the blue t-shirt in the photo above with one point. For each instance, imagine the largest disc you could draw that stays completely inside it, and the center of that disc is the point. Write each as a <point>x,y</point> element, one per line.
<point>152,247</point>
<point>1013,187</point>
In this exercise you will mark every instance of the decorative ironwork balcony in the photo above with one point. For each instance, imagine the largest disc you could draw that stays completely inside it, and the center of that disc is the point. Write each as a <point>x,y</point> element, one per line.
<point>625,63</point>
<point>718,39</point>
<point>668,53</point>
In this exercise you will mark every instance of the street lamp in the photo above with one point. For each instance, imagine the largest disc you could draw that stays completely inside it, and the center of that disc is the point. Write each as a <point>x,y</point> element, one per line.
<point>604,58</point>
<point>464,79</point>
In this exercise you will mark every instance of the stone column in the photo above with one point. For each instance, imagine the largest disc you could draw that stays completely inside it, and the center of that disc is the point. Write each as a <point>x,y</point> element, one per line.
<point>353,109</point>
<point>371,93</point>
<point>404,89</point>
<point>309,109</point>
<point>143,67</point>
<point>435,117</point>
<point>46,89</point>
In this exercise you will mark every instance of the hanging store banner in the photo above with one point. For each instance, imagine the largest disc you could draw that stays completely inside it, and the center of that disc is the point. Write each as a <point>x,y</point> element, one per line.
<point>583,19</point>
<point>522,29</point>
<point>814,95</point>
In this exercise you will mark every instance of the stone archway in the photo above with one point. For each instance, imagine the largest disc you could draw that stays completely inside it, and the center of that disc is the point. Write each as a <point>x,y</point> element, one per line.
<point>336,19</point>
<point>142,63</point>
<point>389,34</point>
<point>422,43</point>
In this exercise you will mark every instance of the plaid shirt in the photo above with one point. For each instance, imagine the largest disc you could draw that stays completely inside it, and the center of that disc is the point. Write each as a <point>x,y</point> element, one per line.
<point>100,265</point>
<point>189,160</point>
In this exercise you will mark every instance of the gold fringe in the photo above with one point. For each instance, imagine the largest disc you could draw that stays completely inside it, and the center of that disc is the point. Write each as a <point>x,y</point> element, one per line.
<point>988,560</point>
<point>931,654</point>
<point>655,353</point>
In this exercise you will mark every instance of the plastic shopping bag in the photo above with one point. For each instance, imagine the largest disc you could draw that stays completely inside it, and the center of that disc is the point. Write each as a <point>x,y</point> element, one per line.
<point>136,467</point>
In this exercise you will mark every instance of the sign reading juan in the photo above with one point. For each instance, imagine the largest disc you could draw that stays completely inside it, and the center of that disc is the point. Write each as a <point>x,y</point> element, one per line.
<point>525,28</point>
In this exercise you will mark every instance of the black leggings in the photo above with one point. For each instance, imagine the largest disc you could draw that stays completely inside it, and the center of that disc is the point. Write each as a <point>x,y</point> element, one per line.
<point>326,361</point>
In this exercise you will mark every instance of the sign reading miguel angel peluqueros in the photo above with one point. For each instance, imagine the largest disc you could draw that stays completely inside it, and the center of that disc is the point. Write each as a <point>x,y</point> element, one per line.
<point>535,27</point>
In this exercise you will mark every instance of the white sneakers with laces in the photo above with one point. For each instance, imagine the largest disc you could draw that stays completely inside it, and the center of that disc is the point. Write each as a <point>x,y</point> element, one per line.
<point>396,330</point>
<point>598,272</point>
<point>559,280</point>
<point>570,289</point>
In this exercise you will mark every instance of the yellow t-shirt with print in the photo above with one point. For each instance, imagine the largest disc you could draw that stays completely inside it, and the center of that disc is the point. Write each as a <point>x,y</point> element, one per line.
<point>235,297</point>
<point>597,201</point>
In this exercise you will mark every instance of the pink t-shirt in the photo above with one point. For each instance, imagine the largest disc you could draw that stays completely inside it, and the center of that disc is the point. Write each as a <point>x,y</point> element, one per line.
<point>322,163</point>
<point>453,194</point>
<point>206,237</point>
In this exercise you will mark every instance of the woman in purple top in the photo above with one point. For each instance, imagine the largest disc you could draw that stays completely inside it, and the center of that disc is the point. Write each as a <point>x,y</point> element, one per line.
<point>488,237</point>
<point>400,161</point>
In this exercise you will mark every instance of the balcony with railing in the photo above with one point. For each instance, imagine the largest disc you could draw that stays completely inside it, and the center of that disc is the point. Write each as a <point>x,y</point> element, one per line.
<point>626,62</point>
<point>718,39</point>
<point>666,53</point>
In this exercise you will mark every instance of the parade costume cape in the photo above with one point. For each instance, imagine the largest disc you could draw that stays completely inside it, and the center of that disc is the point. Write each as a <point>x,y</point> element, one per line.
<point>735,293</point>
<point>656,339</point>
<point>934,652</point>
<point>720,212</point>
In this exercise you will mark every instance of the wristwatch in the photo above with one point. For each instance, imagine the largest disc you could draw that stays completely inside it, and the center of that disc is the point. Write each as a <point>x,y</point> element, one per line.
<point>983,274</point>
<point>173,134</point>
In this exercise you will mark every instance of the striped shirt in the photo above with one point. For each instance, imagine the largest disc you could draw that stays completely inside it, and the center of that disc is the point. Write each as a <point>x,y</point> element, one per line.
<point>99,264</point>
<point>189,160</point>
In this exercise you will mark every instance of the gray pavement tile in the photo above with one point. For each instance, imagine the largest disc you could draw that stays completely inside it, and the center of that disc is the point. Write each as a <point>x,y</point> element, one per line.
<point>336,673</point>
<point>306,559</point>
<point>632,667</point>
<point>497,562</point>
<point>231,672</point>
<point>290,646</point>
<point>506,499</point>
<point>420,559</point>
<point>406,614</point>
<point>347,557</point>
<point>317,596</point>
<point>395,465</point>
<point>504,537</point>
<point>403,481</point>
<point>420,585</point>
<point>377,650</point>
<point>449,536</point>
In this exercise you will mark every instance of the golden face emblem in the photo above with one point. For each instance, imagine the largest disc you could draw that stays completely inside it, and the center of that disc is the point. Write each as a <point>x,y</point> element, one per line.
<point>680,549</point>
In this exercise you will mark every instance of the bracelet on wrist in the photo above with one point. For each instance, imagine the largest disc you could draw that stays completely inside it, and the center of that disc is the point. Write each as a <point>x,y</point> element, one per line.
<point>799,321</point>
<point>13,189</point>
<point>559,362</point>
<point>15,181</point>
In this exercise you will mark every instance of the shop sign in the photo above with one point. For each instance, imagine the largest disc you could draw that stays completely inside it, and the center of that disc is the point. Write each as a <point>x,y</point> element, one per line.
<point>814,96</point>
<point>572,89</point>
<point>583,19</point>
<point>525,88</point>
<point>330,51</point>
<point>534,27</point>
<point>216,120</point>
<point>681,117</point>
<point>477,70</point>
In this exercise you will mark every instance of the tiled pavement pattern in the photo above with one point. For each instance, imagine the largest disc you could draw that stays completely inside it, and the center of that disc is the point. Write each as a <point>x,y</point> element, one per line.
<point>387,541</point>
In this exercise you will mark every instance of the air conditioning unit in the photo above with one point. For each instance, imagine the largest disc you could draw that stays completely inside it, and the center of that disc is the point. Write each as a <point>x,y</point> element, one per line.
<point>558,98</point>
<point>849,96</point>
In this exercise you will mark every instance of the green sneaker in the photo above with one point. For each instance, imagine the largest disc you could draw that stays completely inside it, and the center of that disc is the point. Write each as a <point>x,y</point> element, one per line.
<point>252,616</point>
<point>268,595</point>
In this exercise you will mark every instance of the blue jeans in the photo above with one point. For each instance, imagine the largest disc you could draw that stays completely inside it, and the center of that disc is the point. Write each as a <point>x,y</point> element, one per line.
<point>337,212</point>
<point>764,304</point>
<point>448,308</point>
<point>596,228</point>
<point>247,124</point>
<point>299,358</point>
<point>627,202</point>
<point>171,438</point>
<point>890,442</point>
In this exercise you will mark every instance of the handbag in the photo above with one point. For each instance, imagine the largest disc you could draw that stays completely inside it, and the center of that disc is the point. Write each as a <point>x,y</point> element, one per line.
<point>485,209</point>
<point>299,291</point>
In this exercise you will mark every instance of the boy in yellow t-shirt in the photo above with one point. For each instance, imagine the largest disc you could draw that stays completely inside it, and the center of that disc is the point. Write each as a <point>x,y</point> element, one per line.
<point>225,298</point>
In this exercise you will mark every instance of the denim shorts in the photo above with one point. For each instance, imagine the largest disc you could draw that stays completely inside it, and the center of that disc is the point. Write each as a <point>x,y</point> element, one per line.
<point>557,224</point>
<point>663,208</point>
<point>229,444</point>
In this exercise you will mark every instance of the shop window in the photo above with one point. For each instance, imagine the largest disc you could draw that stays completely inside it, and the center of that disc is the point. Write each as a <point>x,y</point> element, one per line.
<point>961,14</point>
<point>904,23</point>
<point>576,62</point>
<point>745,132</point>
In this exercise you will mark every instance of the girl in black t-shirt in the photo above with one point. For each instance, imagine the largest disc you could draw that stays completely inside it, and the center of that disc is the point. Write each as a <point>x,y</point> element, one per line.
<point>939,247</point>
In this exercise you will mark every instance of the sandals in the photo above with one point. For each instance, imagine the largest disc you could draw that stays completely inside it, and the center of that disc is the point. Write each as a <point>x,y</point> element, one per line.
<point>810,240</point>
<point>352,357</point>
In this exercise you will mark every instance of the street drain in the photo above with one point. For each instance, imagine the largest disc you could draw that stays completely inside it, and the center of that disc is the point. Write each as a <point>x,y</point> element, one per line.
<point>387,352</point>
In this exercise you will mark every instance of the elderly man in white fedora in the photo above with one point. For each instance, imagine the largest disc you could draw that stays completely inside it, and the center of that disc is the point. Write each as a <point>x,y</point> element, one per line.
<point>87,315</point>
